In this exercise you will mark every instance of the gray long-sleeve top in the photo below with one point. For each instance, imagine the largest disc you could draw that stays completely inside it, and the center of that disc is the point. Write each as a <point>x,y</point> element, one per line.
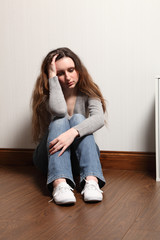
<point>90,108</point>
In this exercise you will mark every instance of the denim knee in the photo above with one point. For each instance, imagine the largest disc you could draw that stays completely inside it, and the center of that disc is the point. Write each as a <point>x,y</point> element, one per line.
<point>58,122</point>
<point>57,127</point>
<point>76,119</point>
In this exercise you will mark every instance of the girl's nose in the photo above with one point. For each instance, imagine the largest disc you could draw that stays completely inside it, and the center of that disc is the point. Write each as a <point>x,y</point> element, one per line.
<point>67,76</point>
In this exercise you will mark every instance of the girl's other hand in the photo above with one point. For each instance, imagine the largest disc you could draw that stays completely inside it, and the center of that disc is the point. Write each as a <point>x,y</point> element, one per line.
<point>63,141</point>
<point>52,72</point>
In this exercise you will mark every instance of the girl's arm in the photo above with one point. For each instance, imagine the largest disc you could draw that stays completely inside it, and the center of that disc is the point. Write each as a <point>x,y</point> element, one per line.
<point>56,104</point>
<point>95,120</point>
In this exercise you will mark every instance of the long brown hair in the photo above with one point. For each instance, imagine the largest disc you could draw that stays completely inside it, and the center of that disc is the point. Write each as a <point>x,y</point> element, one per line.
<point>41,117</point>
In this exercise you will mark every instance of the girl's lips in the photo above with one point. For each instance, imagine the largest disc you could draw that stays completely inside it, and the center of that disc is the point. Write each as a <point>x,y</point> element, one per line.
<point>70,84</point>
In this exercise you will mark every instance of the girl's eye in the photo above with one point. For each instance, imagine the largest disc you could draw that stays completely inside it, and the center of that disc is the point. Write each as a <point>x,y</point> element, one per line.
<point>71,69</point>
<point>60,74</point>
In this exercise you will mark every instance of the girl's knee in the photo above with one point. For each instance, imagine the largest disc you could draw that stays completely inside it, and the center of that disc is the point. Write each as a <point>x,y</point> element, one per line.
<point>57,122</point>
<point>57,127</point>
<point>76,119</point>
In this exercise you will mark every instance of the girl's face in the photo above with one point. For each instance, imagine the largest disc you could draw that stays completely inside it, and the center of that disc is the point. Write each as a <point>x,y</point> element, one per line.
<point>67,74</point>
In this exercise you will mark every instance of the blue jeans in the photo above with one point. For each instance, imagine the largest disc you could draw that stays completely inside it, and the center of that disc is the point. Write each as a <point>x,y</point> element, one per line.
<point>84,150</point>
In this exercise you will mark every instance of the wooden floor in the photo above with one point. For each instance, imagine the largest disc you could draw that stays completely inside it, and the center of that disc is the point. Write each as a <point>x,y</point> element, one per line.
<point>130,209</point>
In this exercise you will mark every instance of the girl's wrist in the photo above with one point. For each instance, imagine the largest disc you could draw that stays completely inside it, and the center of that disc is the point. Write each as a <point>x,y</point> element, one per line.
<point>76,133</point>
<point>52,76</point>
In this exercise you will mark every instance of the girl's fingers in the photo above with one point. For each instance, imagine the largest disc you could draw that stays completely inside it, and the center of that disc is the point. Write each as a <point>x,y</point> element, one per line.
<point>54,58</point>
<point>52,67</point>
<point>57,148</point>
<point>53,142</point>
<point>63,150</point>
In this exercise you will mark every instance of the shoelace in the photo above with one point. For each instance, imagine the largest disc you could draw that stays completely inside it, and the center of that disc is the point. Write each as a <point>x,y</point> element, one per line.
<point>91,186</point>
<point>61,188</point>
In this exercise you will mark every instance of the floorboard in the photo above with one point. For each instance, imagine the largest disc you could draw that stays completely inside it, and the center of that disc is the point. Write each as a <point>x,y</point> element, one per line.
<point>130,209</point>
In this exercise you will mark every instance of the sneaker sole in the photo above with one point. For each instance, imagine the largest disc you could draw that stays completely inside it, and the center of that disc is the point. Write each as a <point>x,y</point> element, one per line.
<point>66,202</point>
<point>93,199</point>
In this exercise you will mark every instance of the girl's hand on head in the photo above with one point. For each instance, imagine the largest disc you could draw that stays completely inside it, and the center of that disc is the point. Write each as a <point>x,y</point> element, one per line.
<point>52,72</point>
<point>63,141</point>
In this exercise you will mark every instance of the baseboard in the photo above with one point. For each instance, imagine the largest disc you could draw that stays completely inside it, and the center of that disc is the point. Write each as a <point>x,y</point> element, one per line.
<point>16,156</point>
<point>139,161</point>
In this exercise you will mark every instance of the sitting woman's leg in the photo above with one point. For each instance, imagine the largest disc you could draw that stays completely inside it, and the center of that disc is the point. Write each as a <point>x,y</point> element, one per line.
<point>88,155</point>
<point>59,167</point>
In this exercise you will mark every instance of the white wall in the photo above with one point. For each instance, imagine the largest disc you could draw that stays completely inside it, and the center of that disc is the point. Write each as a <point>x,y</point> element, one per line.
<point>118,41</point>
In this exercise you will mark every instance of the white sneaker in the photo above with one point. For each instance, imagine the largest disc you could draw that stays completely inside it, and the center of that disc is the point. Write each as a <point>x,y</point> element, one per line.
<point>63,194</point>
<point>92,192</point>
